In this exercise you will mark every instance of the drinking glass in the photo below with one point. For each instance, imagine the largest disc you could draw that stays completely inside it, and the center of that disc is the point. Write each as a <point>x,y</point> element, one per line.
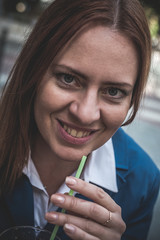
<point>26,233</point>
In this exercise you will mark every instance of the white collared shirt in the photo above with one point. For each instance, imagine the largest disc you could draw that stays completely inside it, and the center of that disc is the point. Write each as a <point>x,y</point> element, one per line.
<point>99,169</point>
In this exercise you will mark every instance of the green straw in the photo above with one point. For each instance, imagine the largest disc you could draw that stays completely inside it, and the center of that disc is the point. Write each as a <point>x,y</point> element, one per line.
<point>78,173</point>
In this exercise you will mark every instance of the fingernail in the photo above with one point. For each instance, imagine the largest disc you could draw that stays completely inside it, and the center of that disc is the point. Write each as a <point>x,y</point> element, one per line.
<point>51,216</point>
<point>69,228</point>
<point>58,199</point>
<point>70,181</point>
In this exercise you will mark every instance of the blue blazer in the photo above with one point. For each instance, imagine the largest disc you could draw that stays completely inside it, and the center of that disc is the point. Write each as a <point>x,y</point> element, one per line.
<point>138,182</point>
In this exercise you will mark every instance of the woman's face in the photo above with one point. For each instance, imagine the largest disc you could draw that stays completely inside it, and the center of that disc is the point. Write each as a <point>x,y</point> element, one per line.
<point>85,95</point>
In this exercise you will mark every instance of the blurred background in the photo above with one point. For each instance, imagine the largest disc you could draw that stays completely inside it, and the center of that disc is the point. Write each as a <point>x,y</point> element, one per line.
<point>17,18</point>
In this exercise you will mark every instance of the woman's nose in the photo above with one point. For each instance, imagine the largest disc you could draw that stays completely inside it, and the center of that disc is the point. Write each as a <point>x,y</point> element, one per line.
<point>86,108</point>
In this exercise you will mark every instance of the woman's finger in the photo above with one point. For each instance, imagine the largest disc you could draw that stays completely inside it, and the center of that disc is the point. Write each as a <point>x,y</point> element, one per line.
<point>86,225</point>
<point>77,233</point>
<point>93,192</point>
<point>86,209</point>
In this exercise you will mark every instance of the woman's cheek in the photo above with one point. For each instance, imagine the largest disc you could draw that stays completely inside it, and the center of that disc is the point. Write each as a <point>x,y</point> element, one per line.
<point>52,97</point>
<point>115,115</point>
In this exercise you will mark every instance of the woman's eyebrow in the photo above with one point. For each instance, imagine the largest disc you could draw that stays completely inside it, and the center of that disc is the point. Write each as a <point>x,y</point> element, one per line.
<point>72,70</point>
<point>119,84</point>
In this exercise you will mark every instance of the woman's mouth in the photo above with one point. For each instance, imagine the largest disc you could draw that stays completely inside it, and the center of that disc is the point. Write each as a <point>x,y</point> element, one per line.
<point>75,135</point>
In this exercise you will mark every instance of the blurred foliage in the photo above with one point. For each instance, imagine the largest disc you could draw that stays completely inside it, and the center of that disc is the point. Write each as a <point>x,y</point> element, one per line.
<point>154,4</point>
<point>152,9</point>
<point>153,20</point>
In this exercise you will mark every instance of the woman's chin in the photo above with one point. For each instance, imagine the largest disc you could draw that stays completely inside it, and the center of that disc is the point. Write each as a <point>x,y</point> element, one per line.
<point>73,156</point>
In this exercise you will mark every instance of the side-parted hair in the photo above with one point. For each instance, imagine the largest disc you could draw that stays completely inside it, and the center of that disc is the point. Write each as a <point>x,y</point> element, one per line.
<point>56,26</point>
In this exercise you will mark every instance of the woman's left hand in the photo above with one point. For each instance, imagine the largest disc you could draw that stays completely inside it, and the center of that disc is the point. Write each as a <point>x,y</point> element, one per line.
<point>85,220</point>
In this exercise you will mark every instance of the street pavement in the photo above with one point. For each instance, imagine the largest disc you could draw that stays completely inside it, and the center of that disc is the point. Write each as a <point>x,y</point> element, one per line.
<point>145,130</point>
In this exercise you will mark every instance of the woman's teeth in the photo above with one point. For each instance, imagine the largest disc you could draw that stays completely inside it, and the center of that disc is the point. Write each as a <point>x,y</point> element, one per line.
<point>74,133</point>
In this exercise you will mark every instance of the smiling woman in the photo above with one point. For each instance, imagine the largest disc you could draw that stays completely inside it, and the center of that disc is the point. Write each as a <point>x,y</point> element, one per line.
<point>84,66</point>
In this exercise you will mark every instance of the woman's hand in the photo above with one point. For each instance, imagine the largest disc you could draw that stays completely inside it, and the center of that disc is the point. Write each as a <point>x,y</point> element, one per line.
<point>87,220</point>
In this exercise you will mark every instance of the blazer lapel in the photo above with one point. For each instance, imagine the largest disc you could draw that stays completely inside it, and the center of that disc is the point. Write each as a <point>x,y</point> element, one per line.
<point>20,203</point>
<point>121,156</point>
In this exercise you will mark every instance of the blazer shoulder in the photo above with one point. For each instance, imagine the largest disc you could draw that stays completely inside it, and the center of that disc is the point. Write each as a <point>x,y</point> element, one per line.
<point>129,154</point>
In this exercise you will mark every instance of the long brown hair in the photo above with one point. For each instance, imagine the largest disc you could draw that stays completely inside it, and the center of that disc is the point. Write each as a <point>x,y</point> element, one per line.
<point>57,25</point>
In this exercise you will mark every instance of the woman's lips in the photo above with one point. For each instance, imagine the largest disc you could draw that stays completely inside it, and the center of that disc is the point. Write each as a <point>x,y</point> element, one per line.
<point>73,134</point>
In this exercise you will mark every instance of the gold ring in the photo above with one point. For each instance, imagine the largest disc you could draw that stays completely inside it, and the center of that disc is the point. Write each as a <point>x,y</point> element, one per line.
<point>108,220</point>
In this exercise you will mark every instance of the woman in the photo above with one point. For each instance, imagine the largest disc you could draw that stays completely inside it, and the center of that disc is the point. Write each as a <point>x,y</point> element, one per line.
<point>84,66</point>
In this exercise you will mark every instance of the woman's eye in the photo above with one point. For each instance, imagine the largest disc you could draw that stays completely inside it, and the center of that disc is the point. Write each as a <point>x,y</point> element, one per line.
<point>68,78</point>
<point>113,93</point>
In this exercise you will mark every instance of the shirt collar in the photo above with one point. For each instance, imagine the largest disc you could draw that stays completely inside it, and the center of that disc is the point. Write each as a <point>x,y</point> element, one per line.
<point>31,172</point>
<point>99,169</point>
